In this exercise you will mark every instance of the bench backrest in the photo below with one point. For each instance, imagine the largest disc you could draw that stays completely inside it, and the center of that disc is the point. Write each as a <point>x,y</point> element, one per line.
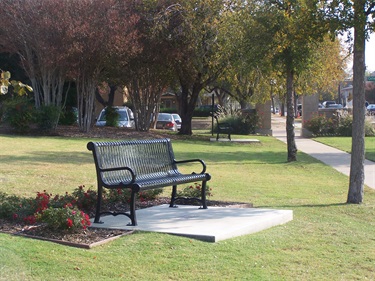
<point>147,158</point>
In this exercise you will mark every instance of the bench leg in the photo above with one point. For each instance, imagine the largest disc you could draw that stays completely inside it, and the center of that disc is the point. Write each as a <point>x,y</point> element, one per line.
<point>203,195</point>
<point>132,209</point>
<point>173,197</point>
<point>98,205</point>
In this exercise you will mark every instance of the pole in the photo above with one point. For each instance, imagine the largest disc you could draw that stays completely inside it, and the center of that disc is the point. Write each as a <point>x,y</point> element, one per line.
<point>212,113</point>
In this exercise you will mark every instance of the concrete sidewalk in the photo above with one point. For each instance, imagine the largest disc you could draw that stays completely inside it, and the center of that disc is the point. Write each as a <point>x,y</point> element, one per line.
<point>333,157</point>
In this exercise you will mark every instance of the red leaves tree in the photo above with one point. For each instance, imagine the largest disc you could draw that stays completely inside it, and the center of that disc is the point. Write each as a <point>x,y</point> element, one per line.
<point>73,39</point>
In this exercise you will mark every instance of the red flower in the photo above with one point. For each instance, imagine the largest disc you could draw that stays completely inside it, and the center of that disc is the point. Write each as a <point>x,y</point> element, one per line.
<point>30,220</point>
<point>15,216</point>
<point>69,222</point>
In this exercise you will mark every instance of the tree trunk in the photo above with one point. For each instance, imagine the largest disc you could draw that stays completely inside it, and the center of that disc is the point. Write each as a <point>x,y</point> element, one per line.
<point>292,149</point>
<point>111,96</point>
<point>186,113</point>
<point>86,87</point>
<point>355,194</point>
<point>188,103</point>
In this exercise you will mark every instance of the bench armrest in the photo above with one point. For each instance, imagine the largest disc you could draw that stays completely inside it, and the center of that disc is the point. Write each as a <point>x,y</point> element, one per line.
<point>121,169</point>
<point>193,160</point>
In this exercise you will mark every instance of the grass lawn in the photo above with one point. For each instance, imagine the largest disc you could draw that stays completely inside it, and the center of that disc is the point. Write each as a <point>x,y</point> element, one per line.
<point>345,144</point>
<point>327,239</point>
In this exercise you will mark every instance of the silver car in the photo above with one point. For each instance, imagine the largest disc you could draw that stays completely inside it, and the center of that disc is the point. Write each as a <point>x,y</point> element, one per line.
<point>126,119</point>
<point>178,120</point>
<point>166,121</point>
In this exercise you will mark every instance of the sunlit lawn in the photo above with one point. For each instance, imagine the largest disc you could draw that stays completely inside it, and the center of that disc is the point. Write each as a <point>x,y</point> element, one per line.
<point>345,144</point>
<point>327,239</point>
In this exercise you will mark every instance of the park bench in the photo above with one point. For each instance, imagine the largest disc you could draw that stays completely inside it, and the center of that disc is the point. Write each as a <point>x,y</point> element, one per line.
<point>222,128</point>
<point>140,165</point>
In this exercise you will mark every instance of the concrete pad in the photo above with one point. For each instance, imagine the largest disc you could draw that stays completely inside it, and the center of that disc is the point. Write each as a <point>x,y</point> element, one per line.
<point>212,224</point>
<point>237,140</point>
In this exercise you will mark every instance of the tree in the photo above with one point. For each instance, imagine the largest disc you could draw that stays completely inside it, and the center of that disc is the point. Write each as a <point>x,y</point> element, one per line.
<point>73,39</point>
<point>248,47</point>
<point>148,74</point>
<point>31,29</point>
<point>193,32</point>
<point>98,35</point>
<point>359,16</point>
<point>362,14</point>
<point>296,27</point>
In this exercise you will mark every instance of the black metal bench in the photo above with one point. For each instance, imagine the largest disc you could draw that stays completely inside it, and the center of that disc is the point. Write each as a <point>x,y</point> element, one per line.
<point>222,128</point>
<point>141,165</point>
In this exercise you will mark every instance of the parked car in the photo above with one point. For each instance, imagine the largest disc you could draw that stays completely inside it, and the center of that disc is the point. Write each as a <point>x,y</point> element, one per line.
<point>371,109</point>
<point>178,120</point>
<point>166,121</point>
<point>126,119</point>
<point>336,105</point>
<point>327,104</point>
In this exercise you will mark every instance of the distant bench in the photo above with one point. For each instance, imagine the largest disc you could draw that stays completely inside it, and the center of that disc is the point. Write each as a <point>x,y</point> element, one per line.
<point>222,128</point>
<point>141,165</point>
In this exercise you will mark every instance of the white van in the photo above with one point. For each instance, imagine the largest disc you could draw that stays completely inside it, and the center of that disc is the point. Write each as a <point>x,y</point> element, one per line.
<point>126,119</point>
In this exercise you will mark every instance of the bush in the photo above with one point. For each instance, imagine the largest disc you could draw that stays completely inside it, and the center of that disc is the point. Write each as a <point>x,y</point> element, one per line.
<point>345,126</point>
<point>319,125</point>
<point>68,117</point>
<point>341,126</point>
<point>168,110</point>
<point>67,218</point>
<point>85,200</point>
<point>201,112</point>
<point>19,113</point>
<point>47,117</point>
<point>15,208</point>
<point>123,195</point>
<point>63,211</point>
<point>111,116</point>
<point>194,191</point>
<point>241,125</point>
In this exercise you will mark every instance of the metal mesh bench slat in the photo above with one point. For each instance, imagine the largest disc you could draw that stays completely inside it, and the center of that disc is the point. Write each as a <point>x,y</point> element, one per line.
<point>140,165</point>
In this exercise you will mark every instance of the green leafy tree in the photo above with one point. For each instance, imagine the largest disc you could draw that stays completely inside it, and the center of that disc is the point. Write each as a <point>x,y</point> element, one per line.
<point>193,30</point>
<point>296,27</point>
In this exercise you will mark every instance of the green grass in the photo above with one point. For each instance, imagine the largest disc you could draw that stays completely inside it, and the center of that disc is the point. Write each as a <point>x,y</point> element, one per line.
<point>327,239</point>
<point>345,144</point>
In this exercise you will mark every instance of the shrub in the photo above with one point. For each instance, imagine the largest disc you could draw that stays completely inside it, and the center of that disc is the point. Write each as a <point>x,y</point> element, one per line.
<point>341,126</point>
<point>111,116</point>
<point>345,126</point>
<point>320,125</point>
<point>241,125</point>
<point>194,191</point>
<point>67,218</point>
<point>369,129</point>
<point>69,117</point>
<point>123,195</point>
<point>19,113</point>
<point>85,200</point>
<point>47,117</point>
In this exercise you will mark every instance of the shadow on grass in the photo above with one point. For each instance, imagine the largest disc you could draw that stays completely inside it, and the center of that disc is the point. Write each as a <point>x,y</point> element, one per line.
<point>50,157</point>
<point>213,153</point>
